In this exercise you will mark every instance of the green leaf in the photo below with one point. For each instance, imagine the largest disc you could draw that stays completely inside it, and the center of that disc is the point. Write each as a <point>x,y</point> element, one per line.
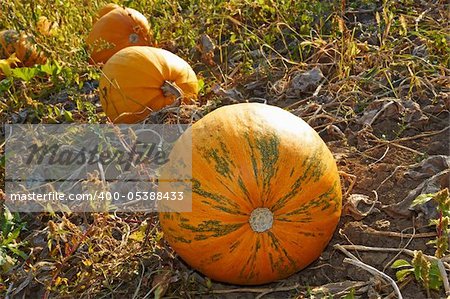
<point>159,292</point>
<point>57,110</point>
<point>422,199</point>
<point>400,264</point>
<point>5,84</point>
<point>350,295</point>
<point>68,116</point>
<point>18,252</point>
<point>139,235</point>
<point>6,222</point>
<point>402,274</point>
<point>159,236</point>
<point>418,272</point>
<point>56,68</point>
<point>432,242</point>
<point>6,262</point>
<point>5,64</point>
<point>80,105</point>
<point>25,73</point>
<point>201,84</point>
<point>48,68</point>
<point>208,283</point>
<point>2,256</point>
<point>12,236</point>
<point>435,276</point>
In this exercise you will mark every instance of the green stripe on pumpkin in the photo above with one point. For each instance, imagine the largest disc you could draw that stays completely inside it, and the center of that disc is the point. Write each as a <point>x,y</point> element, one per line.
<point>216,257</point>
<point>252,156</point>
<point>315,168</point>
<point>214,227</point>
<point>181,239</point>
<point>224,209</point>
<point>234,245</point>
<point>222,165</point>
<point>218,198</point>
<point>244,189</point>
<point>323,201</point>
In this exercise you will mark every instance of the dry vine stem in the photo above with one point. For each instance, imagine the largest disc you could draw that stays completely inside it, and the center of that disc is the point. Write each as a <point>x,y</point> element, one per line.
<point>387,249</point>
<point>409,138</point>
<point>409,252</point>
<point>352,179</point>
<point>444,275</point>
<point>375,272</point>
<point>354,261</point>
<point>369,230</point>
<point>262,291</point>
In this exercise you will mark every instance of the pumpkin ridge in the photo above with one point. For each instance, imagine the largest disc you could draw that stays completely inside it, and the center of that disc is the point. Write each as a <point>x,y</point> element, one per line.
<point>224,209</point>
<point>125,98</point>
<point>234,245</point>
<point>244,189</point>
<point>215,227</point>
<point>314,170</point>
<point>252,157</point>
<point>227,186</point>
<point>275,244</point>
<point>221,164</point>
<point>250,262</point>
<point>322,199</point>
<point>217,198</point>
<point>269,151</point>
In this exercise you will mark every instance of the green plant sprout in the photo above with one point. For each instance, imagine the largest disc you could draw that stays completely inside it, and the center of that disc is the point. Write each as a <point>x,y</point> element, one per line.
<point>424,269</point>
<point>10,226</point>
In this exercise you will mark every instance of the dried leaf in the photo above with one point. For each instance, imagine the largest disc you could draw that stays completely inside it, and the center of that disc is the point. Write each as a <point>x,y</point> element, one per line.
<point>161,283</point>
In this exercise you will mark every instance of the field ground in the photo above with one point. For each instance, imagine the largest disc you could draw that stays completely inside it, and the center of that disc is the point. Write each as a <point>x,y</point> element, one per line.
<point>373,78</point>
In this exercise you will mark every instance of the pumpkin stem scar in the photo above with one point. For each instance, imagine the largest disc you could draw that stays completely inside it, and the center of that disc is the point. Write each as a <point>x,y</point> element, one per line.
<point>133,38</point>
<point>172,89</point>
<point>261,219</point>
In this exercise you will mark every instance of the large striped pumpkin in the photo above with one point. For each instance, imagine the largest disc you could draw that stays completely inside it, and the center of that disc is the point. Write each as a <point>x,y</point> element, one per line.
<point>266,195</point>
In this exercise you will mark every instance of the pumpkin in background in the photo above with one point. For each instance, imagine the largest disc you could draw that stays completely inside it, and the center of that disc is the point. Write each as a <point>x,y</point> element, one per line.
<point>266,195</point>
<point>22,45</point>
<point>117,29</point>
<point>105,9</point>
<point>138,80</point>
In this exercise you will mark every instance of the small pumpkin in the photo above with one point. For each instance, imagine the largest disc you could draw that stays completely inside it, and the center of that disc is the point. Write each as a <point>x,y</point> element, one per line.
<point>138,80</point>
<point>22,45</point>
<point>266,195</point>
<point>117,29</point>
<point>104,10</point>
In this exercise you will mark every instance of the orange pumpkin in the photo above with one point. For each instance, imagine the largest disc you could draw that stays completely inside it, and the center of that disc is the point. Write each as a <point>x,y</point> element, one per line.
<point>138,80</point>
<point>266,195</point>
<point>104,10</point>
<point>117,29</point>
<point>23,45</point>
